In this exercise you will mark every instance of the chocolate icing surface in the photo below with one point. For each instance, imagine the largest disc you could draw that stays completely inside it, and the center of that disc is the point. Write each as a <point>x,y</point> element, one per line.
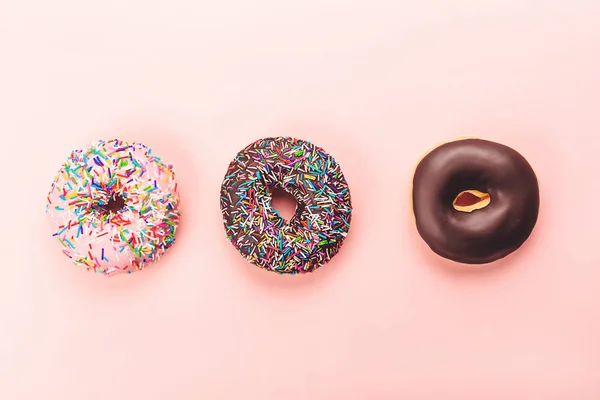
<point>487,234</point>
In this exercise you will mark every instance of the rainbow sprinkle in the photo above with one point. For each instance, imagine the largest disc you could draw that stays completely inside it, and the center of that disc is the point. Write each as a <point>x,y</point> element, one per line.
<point>322,220</point>
<point>114,207</point>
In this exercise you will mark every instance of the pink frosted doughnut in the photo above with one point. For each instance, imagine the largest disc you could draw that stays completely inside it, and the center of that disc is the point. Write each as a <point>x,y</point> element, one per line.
<point>114,207</point>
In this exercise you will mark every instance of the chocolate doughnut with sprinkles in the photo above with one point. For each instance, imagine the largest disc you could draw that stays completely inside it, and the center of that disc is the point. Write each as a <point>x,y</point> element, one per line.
<point>263,237</point>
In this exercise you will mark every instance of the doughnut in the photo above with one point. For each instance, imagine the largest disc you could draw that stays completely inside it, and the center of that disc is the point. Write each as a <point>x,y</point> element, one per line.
<point>475,201</point>
<point>114,207</point>
<point>322,219</point>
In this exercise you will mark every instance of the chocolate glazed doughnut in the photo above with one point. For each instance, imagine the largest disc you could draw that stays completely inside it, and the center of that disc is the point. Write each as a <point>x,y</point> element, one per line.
<point>314,234</point>
<point>502,209</point>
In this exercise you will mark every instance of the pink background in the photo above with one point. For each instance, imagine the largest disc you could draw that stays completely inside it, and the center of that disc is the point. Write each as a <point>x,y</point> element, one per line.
<point>377,83</point>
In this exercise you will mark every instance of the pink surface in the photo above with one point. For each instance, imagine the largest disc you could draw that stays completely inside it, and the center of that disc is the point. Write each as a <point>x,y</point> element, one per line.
<point>376,83</point>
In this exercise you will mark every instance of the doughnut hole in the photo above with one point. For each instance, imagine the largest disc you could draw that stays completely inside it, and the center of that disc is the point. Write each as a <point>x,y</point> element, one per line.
<point>284,203</point>
<point>115,203</point>
<point>471,200</point>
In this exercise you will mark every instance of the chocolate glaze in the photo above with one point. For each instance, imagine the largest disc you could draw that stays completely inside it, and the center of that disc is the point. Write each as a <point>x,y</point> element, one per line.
<point>487,234</point>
